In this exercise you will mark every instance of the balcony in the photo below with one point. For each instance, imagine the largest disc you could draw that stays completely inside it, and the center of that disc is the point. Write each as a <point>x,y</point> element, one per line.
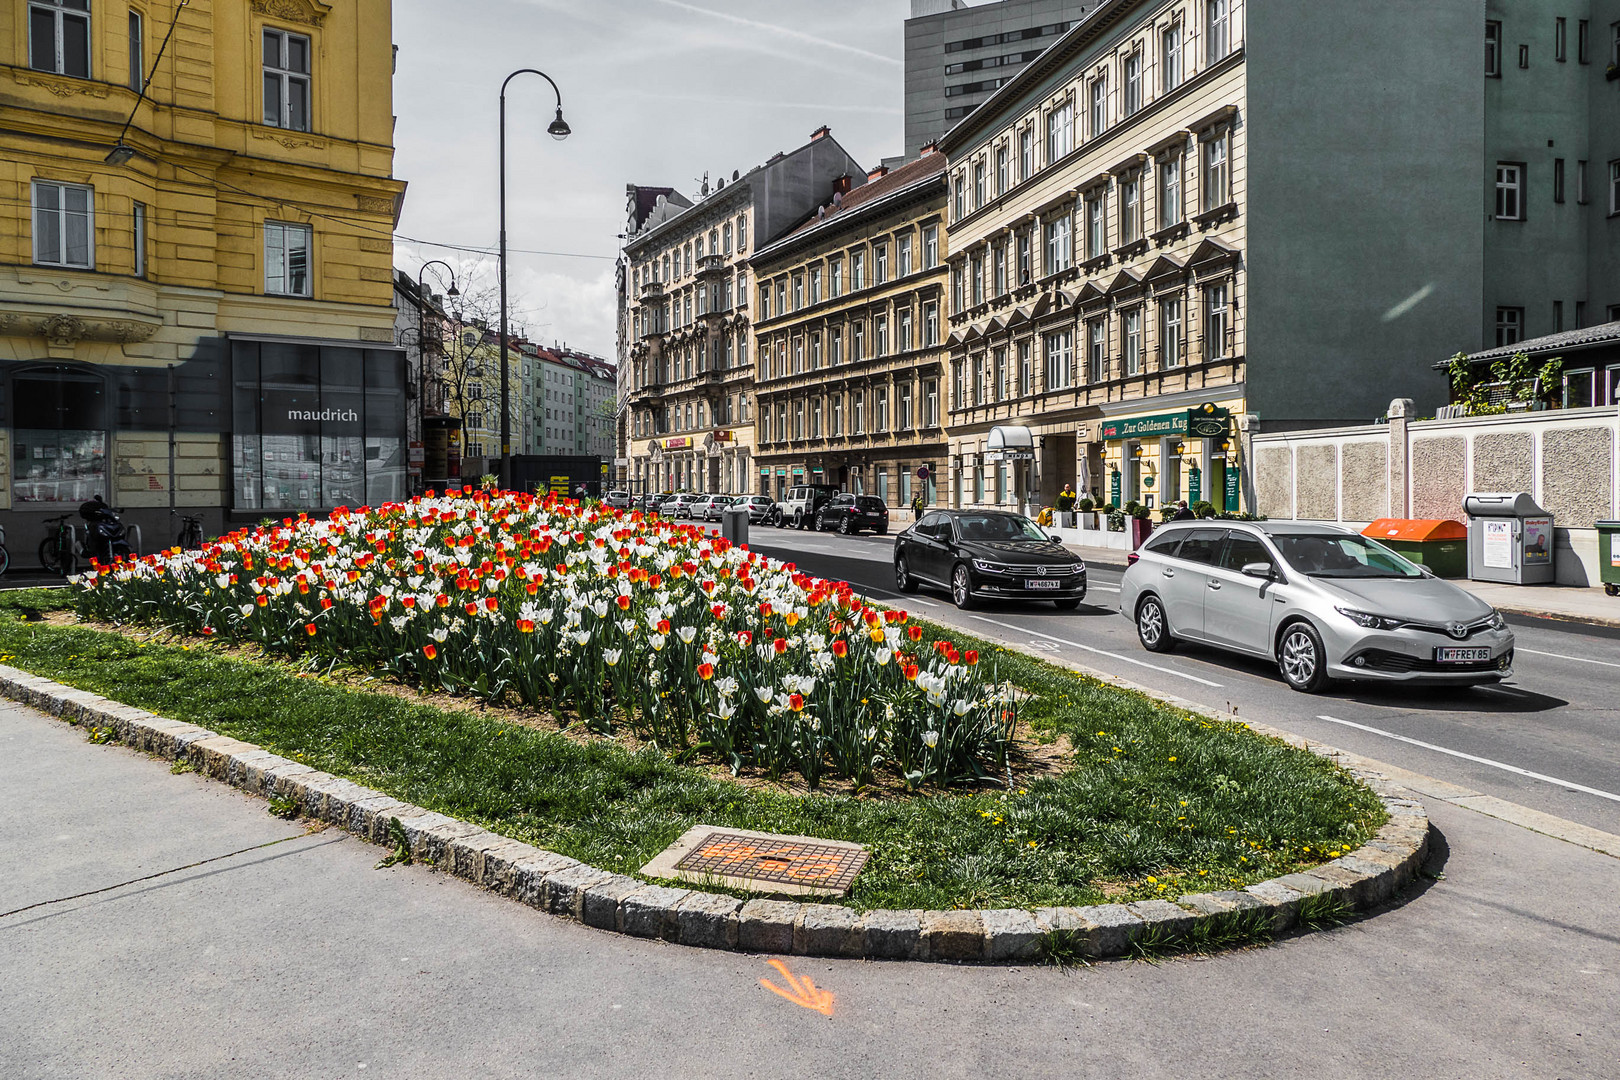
<point>710,265</point>
<point>652,292</point>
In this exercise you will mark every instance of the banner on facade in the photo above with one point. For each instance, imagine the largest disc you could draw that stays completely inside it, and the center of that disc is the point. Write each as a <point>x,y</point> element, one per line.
<point>1206,422</point>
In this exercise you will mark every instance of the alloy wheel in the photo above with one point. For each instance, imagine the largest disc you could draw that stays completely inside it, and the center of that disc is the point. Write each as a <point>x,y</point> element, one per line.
<point>961,588</point>
<point>1299,657</point>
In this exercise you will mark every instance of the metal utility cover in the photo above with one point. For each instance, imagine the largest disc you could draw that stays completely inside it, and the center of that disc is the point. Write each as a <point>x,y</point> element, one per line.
<point>760,862</point>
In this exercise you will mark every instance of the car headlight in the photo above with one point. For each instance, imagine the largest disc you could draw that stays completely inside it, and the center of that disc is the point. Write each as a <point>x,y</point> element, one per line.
<point>987,567</point>
<point>1497,622</point>
<point>1078,568</point>
<point>1369,621</point>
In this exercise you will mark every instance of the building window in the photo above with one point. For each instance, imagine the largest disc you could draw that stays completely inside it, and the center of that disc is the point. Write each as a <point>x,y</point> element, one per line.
<point>1059,360</point>
<point>902,330</point>
<point>978,279</point>
<point>959,198</point>
<point>902,255</point>
<point>59,37</point>
<point>1170,53</point>
<point>903,415</point>
<point>930,403</point>
<point>1130,209</point>
<point>1170,191</point>
<point>1558,316</point>
<point>930,247</point>
<point>857,341</point>
<point>1026,369</point>
<point>1217,321</point>
<point>1493,49</point>
<point>1002,165</point>
<point>1096,226</point>
<point>998,258</point>
<point>1559,39</point>
<point>1524,57</point>
<point>63,225</point>
<point>1583,41</point>
<point>1614,187</point>
<point>857,270</point>
<point>286,259</point>
<point>815,284</point>
<point>137,52</point>
<point>1509,191</point>
<point>880,409</point>
<point>1509,326</point>
<point>880,263</point>
<point>978,184</point>
<point>1057,244</point>
<point>958,296</point>
<point>139,237</point>
<point>1099,105</point>
<point>930,324</point>
<point>1131,327</point>
<point>1218,25</point>
<point>1023,258</point>
<point>60,442</point>
<point>1216,173</point>
<point>1059,131</point>
<point>1133,83</point>
<point>998,375</point>
<point>286,80</point>
<point>1096,350</point>
<point>978,379</point>
<point>857,413</point>
<point>880,335</point>
<point>1026,154</point>
<point>1558,180</point>
<point>1170,348</point>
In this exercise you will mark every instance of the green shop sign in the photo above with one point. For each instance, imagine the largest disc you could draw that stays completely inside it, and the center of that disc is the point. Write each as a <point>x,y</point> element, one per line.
<point>1205,422</point>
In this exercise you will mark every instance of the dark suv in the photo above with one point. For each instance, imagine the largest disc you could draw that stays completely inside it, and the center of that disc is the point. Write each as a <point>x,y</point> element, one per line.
<point>985,554</point>
<point>852,513</point>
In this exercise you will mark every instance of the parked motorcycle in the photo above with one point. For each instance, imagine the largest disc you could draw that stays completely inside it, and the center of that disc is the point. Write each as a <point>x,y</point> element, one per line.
<point>105,536</point>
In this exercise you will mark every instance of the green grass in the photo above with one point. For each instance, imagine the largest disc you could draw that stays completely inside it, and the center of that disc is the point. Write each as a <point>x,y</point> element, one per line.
<point>1156,802</point>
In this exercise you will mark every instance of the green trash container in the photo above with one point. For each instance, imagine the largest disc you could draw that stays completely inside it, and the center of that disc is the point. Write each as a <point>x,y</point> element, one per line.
<point>1439,544</point>
<point>1609,556</point>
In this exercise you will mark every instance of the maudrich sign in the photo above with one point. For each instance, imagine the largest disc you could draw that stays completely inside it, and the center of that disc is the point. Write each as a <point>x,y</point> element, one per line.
<point>348,416</point>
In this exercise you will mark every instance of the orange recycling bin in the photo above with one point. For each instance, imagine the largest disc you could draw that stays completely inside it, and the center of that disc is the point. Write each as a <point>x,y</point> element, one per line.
<point>1438,543</point>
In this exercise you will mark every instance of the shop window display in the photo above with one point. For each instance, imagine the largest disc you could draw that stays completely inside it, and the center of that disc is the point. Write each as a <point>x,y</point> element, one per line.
<point>61,456</point>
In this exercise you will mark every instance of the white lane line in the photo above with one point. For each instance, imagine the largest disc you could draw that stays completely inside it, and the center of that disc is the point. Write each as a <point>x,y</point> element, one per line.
<point>885,595</point>
<point>1105,588</point>
<point>1480,760</point>
<point>1100,652</point>
<point>1561,656</point>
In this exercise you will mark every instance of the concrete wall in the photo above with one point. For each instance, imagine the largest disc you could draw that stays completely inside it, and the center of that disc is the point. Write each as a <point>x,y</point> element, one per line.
<point>1364,129</point>
<point>1568,460</point>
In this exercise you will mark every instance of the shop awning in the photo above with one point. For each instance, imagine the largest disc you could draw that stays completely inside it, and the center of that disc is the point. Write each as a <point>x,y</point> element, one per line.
<point>1012,442</point>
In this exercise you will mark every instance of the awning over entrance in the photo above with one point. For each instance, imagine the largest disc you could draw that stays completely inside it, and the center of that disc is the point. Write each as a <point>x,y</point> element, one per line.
<point>1012,442</point>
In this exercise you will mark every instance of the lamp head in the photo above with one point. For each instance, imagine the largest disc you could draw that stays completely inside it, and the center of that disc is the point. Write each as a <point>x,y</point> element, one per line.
<point>453,291</point>
<point>119,154</point>
<point>559,129</point>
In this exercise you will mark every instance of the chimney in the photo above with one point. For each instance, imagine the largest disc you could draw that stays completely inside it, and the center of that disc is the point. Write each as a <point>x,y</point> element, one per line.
<point>820,133</point>
<point>841,186</point>
<point>877,173</point>
<point>928,148</point>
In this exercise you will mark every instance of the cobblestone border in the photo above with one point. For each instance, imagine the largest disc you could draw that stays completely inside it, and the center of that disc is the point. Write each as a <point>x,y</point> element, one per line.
<point>562,886</point>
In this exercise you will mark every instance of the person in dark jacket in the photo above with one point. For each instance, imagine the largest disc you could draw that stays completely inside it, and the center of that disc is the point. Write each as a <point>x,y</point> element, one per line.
<point>1182,512</point>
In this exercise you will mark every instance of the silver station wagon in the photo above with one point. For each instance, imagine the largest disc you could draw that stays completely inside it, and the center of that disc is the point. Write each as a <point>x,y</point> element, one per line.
<point>1324,603</point>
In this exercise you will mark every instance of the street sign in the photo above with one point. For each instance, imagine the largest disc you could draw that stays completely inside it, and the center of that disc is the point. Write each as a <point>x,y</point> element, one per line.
<point>922,472</point>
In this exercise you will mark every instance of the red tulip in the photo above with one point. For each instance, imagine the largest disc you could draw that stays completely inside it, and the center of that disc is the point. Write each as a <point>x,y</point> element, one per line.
<point>705,672</point>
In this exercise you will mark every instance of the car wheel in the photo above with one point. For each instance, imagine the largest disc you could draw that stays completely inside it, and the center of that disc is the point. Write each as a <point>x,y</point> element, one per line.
<point>1152,627</point>
<point>1302,659</point>
<point>1068,604</point>
<point>961,587</point>
<point>902,576</point>
<point>778,520</point>
<point>844,526</point>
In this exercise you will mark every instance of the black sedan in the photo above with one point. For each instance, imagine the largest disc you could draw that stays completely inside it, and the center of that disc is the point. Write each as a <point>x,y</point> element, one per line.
<point>987,554</point>
<point>852,513</point>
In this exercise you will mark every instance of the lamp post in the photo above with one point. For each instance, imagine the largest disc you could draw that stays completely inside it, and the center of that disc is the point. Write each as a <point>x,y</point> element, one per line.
<point>421,345</point>
<point>559,130</point>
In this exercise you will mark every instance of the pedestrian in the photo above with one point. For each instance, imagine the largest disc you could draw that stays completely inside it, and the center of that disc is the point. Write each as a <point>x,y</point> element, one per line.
<point>917,504</point>
<point>1065,500</point>
<point>1182,513</point>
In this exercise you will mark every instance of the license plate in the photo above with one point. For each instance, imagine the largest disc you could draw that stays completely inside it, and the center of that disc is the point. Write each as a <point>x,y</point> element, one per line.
<point>1454,655</point>
<point>1042,583</point>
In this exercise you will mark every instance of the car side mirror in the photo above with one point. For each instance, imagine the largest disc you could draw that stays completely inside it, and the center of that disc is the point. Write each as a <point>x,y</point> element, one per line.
<point>1259,570</point>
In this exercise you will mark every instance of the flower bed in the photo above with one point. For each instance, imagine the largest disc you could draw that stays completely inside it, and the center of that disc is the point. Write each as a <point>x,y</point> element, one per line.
<point>688,642</point>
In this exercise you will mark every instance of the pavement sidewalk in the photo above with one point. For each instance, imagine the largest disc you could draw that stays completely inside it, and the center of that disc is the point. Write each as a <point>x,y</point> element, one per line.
<point>1564,603</point>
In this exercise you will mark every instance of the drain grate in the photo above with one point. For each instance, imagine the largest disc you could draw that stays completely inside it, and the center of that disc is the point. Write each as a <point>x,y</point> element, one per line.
<point>763,862</point>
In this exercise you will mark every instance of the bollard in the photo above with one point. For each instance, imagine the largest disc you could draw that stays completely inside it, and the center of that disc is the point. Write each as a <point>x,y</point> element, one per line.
<point>734,523</point>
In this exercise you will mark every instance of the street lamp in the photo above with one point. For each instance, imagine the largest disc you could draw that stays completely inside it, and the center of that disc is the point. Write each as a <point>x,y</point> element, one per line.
<point>558,129</point>
<point>421,344</point>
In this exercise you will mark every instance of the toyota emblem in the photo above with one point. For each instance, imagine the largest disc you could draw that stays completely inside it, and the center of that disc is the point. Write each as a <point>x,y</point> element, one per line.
<point>1041,571</point>
<point>1457,630</point>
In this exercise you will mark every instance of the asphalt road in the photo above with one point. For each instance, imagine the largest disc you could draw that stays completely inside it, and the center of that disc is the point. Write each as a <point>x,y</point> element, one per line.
<point>1559,716</point>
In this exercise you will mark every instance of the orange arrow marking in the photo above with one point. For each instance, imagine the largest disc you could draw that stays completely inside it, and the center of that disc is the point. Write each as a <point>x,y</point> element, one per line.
<point>804,991</point>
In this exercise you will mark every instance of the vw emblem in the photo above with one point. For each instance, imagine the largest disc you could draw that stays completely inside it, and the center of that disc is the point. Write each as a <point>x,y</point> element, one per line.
<point>1457,630</point>
<point>1041,570</point>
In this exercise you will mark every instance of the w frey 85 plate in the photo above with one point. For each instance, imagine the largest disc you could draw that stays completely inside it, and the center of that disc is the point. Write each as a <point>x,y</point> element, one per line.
<point>1461,654</point>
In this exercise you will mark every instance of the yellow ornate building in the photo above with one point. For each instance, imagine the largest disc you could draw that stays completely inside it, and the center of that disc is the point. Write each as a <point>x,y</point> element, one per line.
<point>195,262</point>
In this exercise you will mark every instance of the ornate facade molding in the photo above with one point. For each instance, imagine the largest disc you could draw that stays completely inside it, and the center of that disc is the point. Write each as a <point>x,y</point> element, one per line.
<point>308,12</point>
<point>62,330</point>
<point>63,86</point>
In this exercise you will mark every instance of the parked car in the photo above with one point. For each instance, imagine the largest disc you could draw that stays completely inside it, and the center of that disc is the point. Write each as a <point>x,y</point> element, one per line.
<point>760,508</point>
<point>852,513</point>
<point>985,554</point>
<point>1320,601</point>
<point>618,500</point>
<point>710,507</point>
<point>680,506</point>
<point>661,502</point>
<point>799,507</point>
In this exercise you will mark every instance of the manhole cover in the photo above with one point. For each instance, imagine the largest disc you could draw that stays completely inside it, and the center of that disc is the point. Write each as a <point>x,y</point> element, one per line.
<point>760,862</point>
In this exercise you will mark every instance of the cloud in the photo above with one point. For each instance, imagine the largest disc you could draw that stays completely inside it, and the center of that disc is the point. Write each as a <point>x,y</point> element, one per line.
<point>784,31</point>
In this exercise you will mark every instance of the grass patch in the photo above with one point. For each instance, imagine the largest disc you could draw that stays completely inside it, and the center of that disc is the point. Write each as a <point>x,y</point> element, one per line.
<point>1156,802</point>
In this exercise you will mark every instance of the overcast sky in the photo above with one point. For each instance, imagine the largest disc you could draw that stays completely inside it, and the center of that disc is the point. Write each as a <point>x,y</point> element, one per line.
<point>656,91</point>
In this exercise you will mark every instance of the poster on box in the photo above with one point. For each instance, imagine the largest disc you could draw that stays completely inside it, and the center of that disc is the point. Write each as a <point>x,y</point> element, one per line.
<point>1538,541</point>
<point>1498,546</point>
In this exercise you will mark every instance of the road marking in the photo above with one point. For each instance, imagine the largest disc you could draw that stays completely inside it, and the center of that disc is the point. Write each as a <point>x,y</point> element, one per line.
<point>805,992</point>
<point>1571,785</point>
<point>1105,588</point>
<point>1100,652</point>
<point>1561,656</point>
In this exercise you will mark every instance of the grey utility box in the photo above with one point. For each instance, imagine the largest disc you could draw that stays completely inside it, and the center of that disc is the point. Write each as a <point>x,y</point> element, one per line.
<point>1510,538</point>
<point>734,523</point>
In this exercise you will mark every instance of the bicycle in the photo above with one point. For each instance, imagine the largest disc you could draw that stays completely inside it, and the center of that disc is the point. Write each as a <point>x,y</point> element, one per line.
<point>191,534</point>
<point>59,551</point>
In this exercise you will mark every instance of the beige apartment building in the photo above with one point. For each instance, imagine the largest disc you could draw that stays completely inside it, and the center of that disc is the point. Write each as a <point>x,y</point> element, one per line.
<point>1097,217</point>
<point>689,421</point>
<point>849,332</point>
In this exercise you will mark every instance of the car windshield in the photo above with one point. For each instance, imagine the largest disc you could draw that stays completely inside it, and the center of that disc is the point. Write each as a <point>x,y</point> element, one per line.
<point>1335,555</point>
<point>997,527</point>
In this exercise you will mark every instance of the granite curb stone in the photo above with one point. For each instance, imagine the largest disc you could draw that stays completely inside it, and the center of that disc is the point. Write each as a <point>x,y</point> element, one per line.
<point>1363,878</point>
